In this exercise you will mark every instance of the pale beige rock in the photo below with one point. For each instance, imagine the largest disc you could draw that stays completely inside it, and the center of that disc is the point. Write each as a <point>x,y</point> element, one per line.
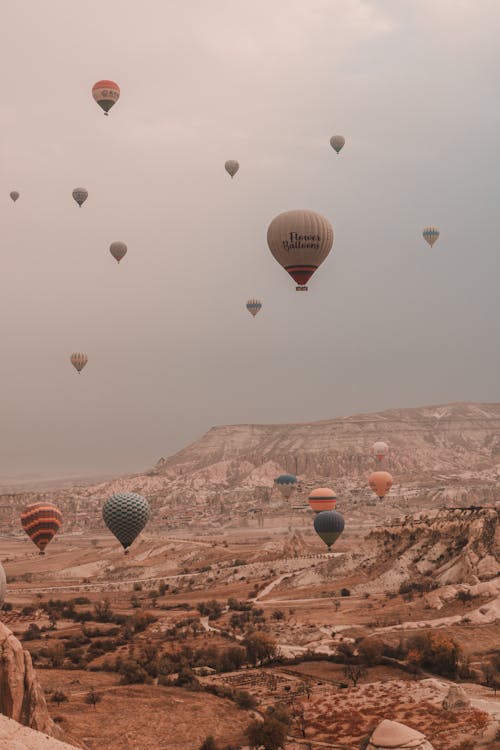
<point>391,735</point>
<point>21,695</point>
<point>14,736</point>
<point>456,698</point>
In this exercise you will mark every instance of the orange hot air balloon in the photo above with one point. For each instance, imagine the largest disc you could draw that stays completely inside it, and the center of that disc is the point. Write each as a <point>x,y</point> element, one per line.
<point>322,499</point>
<point>106,94</point>
<point>41,522</point>
<point>380,482</point>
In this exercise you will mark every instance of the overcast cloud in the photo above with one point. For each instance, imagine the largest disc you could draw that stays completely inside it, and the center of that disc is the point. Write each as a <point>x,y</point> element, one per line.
<point>387,322</point>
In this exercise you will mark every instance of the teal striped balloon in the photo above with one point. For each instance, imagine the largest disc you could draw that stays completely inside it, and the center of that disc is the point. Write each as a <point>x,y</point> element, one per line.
<point>126,514</point>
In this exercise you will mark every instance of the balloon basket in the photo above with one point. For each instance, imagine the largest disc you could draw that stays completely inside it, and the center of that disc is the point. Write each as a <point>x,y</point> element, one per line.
<point>301,289</point>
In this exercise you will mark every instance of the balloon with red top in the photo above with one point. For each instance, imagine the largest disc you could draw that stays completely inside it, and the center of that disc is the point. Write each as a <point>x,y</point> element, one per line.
<point>106,94</point>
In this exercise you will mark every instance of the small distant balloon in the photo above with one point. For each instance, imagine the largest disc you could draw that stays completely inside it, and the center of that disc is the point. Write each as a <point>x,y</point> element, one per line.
<point>79,360</point>
<point>329,525</point>
<point>286,484</point>
<point>118,250</point>
<point>126,514</point>
<point>106,94</point>
<point>380,450</point>
<point>41,522</point>
<point>80,195</point>
<point>337,142</point>
<point>14,195</point>
<point>430,235</point>
<point>322,498</point>
<point>300,241</point>
<point>231,167</point>
<point>253,306</point>
<point>380,482</point>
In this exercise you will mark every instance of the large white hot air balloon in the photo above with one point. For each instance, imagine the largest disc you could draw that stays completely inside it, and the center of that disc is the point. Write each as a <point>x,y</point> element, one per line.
<point>300,241</point>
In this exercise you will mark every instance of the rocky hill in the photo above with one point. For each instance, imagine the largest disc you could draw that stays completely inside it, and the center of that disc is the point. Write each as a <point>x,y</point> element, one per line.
<point>439,455</point>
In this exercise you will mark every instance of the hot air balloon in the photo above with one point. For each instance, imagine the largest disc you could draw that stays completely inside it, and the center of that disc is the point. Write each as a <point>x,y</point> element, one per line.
<point>253,306</point>
<point>14,195</point>
<point>118,250</point>
<point>329,525</point>
<point>106,94</point>
<point>41,522</point>
<point>286,484</point>
<point>322,499</point>
<point>380,450</point>
<point>3,584</point>
<point>79,360</point>
<point>231,167</point>
<point>125,515</point>
<point>300,241</point>
<point>337,142</point>
<point>80,195</point>
<point>430,235</point>
<point>380,482</point>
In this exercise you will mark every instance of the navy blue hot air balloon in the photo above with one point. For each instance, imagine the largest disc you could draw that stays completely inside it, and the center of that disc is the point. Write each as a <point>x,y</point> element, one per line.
<point>286,484</point>
<point>126,514</point>
<point>329,525</point>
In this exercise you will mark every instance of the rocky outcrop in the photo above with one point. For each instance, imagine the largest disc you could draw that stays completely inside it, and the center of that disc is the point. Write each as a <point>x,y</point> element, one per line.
<point>21,695</point>
<point>391,735</point>
<point>443,547</point>
<point>2,584</point>
<point>455,699</point>
<point>14,736</point>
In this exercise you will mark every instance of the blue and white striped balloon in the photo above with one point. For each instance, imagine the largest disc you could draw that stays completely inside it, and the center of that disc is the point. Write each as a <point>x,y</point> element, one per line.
<point>253,306</point>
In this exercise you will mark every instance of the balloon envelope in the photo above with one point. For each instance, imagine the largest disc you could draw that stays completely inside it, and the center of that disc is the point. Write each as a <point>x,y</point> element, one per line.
<point>80,195</point>
<point>79,360</point>
<point>337,142</point>
<point>380,450</point>
<point>286,484</point>
<point>231,167</point>
<point>300,241</point>
<point>380,482</point>
<point>106,94</point>
<point>430,235</point>
<point>14,195</point>
<point>118,250</point>
<point>41,522</point>
<point>253,306</point>
<point>322,498</point>
<point>329,525</point>
<point>126,514</point>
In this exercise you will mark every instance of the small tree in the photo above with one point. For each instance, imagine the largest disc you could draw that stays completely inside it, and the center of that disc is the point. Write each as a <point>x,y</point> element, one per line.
<point>260,647</point>
<point>59,697</point>
<point>354,672</point>
<point>93,698</point>
<point>269,734</point>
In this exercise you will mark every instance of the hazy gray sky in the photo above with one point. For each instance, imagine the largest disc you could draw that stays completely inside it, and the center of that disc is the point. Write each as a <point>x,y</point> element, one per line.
<point>387,322</point>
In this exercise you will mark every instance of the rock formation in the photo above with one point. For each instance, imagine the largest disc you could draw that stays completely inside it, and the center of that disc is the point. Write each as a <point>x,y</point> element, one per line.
<point>21,695</point>
<point>2,584</point>
<point>456,698</point>
<point>14,736</point>
<point>396,736</point>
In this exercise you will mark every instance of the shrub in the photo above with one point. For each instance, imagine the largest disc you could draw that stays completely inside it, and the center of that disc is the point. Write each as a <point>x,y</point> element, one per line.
<point>137,586</point>
<point>244,699</point>
<point>269,734</point>
<point>345,592</point>
<point>59,697</point>
<point>93,698</point>
<point>370,651</point>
